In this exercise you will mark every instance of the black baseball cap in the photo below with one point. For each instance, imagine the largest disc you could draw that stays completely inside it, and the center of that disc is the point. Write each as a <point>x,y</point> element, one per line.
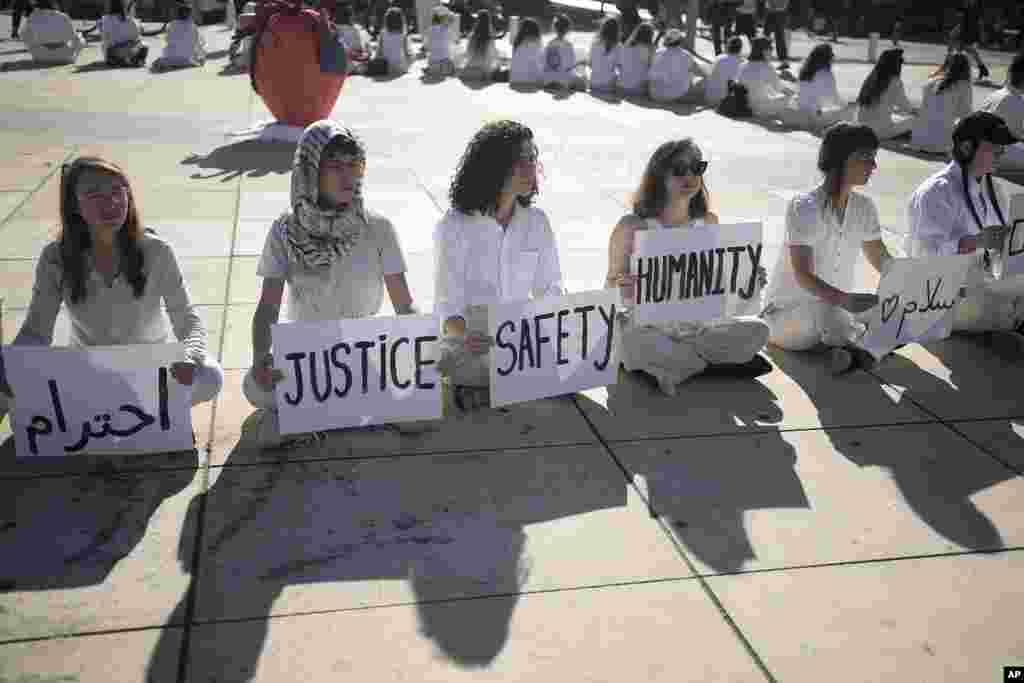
<point>983,126</point>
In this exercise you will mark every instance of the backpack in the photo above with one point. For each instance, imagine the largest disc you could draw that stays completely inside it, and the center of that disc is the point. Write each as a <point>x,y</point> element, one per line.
<point>553,57</point>
<point>736,105</point>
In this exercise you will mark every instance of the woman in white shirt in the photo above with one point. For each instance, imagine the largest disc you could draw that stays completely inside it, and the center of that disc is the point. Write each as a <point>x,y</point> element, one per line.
<point>810,304</point>
<point>945,99</point>
<point>605,55</point>
<point>882,103</point>
<point>491,246</point>
<point>726,68</point>
<point>50,36</point>
<point>671,71</point>
<point>440,61</point>
<point>336,256</point>
<point>673,194</point>
<point>559,60</point>
<point>769,98</point>
<point>122,38</point>
<point>114,278</point>
<point>394,43</point>
<point>481,52</point>
<point>637,54</point>
<point>1008,104</point>
<point>819,99</point>
<point>185,44</point>
<point>526,68</point>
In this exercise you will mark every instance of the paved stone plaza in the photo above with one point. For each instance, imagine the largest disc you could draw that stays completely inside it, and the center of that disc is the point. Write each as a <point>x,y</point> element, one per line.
<point>795,528</point>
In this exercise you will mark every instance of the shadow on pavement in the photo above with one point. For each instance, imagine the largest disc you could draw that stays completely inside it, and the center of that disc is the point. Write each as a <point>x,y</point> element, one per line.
<point>703,485</point>
<point>451,526</point>
<point>253,158</point>
<point>29,65</point>
<point>935,483</point>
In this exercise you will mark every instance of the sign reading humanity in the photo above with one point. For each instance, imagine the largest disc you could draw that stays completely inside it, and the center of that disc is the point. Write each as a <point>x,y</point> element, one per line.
<point>347,373</point>
<point>552,346</point>
<point>916,300</point>
<point>101,399</point>
<point>691,273</point>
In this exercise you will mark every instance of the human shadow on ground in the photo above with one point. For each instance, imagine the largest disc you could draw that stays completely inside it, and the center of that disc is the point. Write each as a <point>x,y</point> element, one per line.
<point>722,464</point>
<point>67,522</point>
<point>935,483</point>
<point>451,526</point>
<point>250,158</point>
<point>29,65</point>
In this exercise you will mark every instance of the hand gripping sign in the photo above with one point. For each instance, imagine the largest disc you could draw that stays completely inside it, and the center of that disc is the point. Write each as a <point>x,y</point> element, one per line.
<point>916,301</point>
<point>552,346</point>
<point>101,399</point>
<point>1013,247</point>
<point>348,373</point>
<point>694,273</point>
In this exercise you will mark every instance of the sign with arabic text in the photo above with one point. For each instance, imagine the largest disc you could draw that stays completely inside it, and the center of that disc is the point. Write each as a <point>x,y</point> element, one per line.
<point>1013,247</point>
<point>101,399</point>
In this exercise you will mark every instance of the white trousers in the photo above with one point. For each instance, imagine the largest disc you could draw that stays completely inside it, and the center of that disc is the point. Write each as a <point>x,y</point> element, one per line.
<point>66,53</point>
<point>807,325</point>
<point>673,358</point>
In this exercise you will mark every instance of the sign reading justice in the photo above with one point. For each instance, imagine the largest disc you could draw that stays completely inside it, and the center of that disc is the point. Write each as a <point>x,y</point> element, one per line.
<point>916,300</point>
<point>112,399</point>
<point>691,273</point>
<point>552,346</point>
<point>348,373</point>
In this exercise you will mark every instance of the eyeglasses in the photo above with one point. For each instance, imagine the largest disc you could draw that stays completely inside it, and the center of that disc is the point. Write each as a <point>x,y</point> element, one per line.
<point>871,157</point>
<point>696,167</point>
<point>108,193</point>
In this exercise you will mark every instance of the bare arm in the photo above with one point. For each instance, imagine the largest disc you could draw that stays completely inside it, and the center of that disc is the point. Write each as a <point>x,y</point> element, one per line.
<point>877,254</point>
<point>802,258</point>
<point>620,248</point>
<point>398,292</point>
<point>267,313</point>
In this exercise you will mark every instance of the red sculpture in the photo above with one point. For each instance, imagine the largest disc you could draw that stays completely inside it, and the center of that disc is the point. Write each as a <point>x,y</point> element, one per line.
<point>285,68</point>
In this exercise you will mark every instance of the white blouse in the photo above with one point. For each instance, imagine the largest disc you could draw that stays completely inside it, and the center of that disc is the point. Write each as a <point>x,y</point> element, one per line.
<point>566,60</point>
<point>47,26</point>
<point>526,67</point>
<point>604,65</point>
<point>393,49</point>
<point>765,91</point>
<point>893,100</point>
<point>933,130</point>
<point>635,68</point>
<point>184,42</point>
<point>116,30</point>
<point>440,43</point>
<point>727,68</point>
<point>820,92</point>
<point>670,73</point>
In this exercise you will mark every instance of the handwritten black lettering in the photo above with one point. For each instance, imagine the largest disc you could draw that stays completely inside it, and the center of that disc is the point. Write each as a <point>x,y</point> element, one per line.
<point>336,362</point>
<point>320,396</point>
<point>583,311</point>
<point>707,272</point>
<point>394,364</point>
<point>40,426</point>
<point>643,276</point>
<point>296,358</point>
<point>58,409</point>
<point>144,420</point>
<point>755,264</point>
<point>719,271</point>
<point>162,400</point>
<point>559,358</point>
<point>736,252</point>
<point>383,365</point>
<point>420,363</point>
<point>692,276</point>
<point>365,347</point>
<point>540,338</point>
<point>525,345</point>
<point>502,344</point>
<point>609,321</point>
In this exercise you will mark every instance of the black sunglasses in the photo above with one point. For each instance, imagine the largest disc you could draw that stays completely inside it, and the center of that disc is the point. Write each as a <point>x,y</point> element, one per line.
<point>681,168</point>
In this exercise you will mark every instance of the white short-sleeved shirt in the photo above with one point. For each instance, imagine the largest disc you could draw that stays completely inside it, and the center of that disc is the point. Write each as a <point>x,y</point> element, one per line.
<point>476,262</point>
<point>933,129</point>
<point>603,64</point>
<point>635,67</point>
<point>820,92</point>
<point>939,216</point>
<point>836,246</point>
<point>566,61</point>
<point>483,63</point>
<point>47,26</point>
<point>526,66</point>
<point>1008,104</point>
<point>892,100</point>
<point>116,30</point>
<point>670,73</point>
<point>392,49</point>
<point>440,43</point>
<point>727,68</point>
<point>764,87</point>
<point>184,41</point>
<point>352,287</point>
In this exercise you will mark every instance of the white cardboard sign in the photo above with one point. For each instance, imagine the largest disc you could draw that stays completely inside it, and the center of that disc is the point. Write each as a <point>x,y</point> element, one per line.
<point>357,372</point>
<point>101,399</point>
<point>553,346</point>
<point>916,302</point>
<point>692,273</point>
<point>1013,248</point>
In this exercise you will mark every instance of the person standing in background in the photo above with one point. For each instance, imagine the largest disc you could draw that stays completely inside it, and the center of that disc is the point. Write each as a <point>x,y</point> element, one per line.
<point>776,23</point>
<point>745,19</point>
<point>22,8</point>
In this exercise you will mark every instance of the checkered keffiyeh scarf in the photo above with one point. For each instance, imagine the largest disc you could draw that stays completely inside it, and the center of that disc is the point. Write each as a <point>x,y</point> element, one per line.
<point>319,237</point>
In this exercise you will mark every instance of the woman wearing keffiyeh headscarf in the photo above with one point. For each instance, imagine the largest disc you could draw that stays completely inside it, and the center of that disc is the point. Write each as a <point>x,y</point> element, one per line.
<point>336,256</point>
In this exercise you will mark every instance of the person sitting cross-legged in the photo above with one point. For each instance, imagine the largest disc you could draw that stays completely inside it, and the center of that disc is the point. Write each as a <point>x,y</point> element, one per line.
<point>1008,104</point>
<point>882,102</point>
<point>335,255</point>
<point>122,37</point>
<point>727,68</point>
<point>186,46</point>
<point>50,36</point>
<point>673,70</point>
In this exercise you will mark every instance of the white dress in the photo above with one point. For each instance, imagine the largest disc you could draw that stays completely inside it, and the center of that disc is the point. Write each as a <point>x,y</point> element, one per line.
<point>392,49</point>
<point>891,115</point>
<point>727,68</point>
<point>670,74</point>
<point>563,73</point>
<point>635,68</point>
<point>765,92</point>
<point>933,130</point>
<point>185,45</point>
<point>526,67</point>
<point>1008,103</point>
<point>604,65</point>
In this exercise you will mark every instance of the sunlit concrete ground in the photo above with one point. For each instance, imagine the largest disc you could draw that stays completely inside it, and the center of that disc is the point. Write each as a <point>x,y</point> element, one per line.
<point>794,528</point>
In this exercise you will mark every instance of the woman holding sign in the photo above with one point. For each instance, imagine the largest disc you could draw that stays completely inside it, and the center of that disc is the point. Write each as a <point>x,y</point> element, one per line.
<point>809,304</point>
<point>491,246</point>
<point>336,256</point>
<point>673,194</point>
<point>115,278</point>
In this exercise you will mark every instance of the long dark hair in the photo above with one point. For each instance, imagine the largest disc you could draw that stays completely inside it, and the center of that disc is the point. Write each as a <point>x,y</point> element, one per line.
<point>760,48</point>
<point>643,34</point>
<point>956,68</point>
<point>394,20</point>
<point>651,197</point>
<point>485,167</point>
<point>75,240</point>
<point>820,58</point>
<point>609,34</point>
<point>562,24</point>
<point>1016,73</point>
<point>840,142</point>
<point>890,63</point>
<point>483,34</point>
<point>529,29</point>
<point>117,7</point>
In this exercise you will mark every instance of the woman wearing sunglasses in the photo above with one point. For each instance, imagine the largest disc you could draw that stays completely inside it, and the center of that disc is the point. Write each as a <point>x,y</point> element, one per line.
<point>115,278</point>
<point>673,194</point>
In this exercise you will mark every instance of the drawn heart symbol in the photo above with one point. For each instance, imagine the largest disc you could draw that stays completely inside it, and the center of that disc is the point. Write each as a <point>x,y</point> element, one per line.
<point>889,307</point>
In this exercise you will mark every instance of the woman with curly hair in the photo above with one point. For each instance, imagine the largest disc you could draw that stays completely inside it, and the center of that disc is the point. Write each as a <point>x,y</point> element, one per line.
<point>882,103</point>
<point>491,246</point>
<point>115,278</point>
<point>673,194</point>
<point>946,98</point>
